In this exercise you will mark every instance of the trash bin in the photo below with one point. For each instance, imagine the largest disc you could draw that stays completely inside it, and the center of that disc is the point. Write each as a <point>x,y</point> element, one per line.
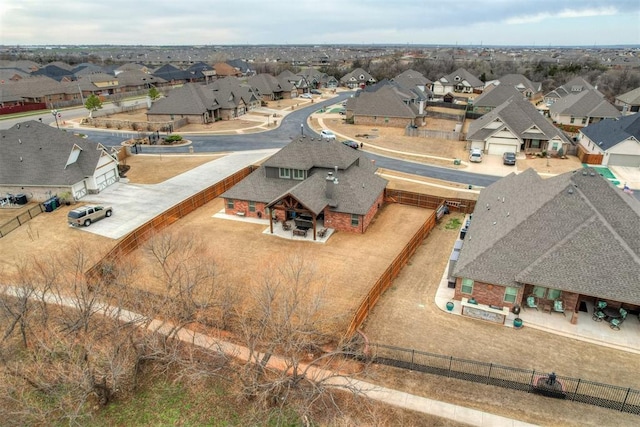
<point>21,199</point>
<point>463,233</point>
<point>456,161</point>
<point>51,204</point>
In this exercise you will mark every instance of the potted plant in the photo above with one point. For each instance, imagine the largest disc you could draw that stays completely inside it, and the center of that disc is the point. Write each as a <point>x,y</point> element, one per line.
<point>450,306</point>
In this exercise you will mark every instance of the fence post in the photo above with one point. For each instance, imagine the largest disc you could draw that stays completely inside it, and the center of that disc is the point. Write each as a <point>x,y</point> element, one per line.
<point>412,354</point>
<point>450,362</point>
<point>625,399</point>
<point>575,393</point>
<point>533,374</point>
<point>489,374</point>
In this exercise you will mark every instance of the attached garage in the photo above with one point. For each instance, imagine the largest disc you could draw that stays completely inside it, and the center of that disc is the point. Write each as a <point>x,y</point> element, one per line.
<point>623,160</point>
<point>106,179</point>
<point>499,146</point>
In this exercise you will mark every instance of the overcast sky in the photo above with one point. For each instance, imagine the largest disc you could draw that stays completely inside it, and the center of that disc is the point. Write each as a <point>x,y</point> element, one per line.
<point>213,22</point>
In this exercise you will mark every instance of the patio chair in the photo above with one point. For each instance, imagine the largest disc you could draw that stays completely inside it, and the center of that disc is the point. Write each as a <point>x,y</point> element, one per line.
<point>615,324</point>
<point>600,305</point>
<point>532,302</point>
<point>598,315</point>
<point>623,313</point>
<point>558,307</point>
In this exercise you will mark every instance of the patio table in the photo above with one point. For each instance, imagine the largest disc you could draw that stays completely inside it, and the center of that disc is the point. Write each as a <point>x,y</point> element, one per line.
<point>612,313</point>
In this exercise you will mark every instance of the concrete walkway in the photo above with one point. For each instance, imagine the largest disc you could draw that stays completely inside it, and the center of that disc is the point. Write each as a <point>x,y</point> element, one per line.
<point>382,394</point>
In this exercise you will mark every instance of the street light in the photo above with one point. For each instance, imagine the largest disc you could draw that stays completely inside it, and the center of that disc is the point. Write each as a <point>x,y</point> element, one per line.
<point>301,129</point>
<point>55,115</point>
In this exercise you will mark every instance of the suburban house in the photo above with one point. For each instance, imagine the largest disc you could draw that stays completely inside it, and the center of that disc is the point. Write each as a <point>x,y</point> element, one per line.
<point>629,102</point>
<point>41,161</point>
<point>617,141</point>
<point>387,104</point>
<point>193,102</point>
<point>573,86</point>
<point>460,81</point>
<point>270,88</point>
<point>325,183</point>
<point>530,90</point>
<point>514,126</point>
<point>567,242</point>
<point>493,96</point>
<point>411,79</point>
<point>357,79</point>
<point>235,99</point>
<point>582,109</point>
<point>223,69</point>
<point>175,75</point>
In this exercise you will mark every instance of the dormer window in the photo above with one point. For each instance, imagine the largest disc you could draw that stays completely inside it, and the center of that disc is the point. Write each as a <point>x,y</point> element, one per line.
<point>73,156</point>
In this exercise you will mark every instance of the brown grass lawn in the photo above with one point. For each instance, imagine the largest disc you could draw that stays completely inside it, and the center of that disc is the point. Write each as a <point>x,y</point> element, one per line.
<point>153,169</point>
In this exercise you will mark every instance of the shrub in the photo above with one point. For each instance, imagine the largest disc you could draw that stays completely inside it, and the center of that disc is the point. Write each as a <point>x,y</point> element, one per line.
<point>173,138</point>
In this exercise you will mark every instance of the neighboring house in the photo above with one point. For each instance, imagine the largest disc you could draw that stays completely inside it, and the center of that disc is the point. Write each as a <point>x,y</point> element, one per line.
<point>573,86</point>
<point>530,90</point>
<point>175,75</point>
<point>630,101</point>
<point>329,183</point>
<point>460,81</point>
<point>387,104</point>
<point>223,69</point>
<point>242,66</point>
<point>270,88</point>
<point>516,125</point>
<point>98,84</point>
<point>357,79</point>
<point>194,102</point>
<point>133,80</point>
<point>493,96</point>
<point>41,161</point>
<point>411,79</point>
<point>572,237</point>
<point>617,140</point>
<point>58,71</point>
<point>234,98</point>
<point>582,109</point>
<point>38,89</point>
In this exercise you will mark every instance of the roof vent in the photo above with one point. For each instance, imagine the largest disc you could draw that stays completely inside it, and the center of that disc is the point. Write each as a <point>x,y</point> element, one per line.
<point>592,174</point>
<point>584,173</point>
<point>571,191</point>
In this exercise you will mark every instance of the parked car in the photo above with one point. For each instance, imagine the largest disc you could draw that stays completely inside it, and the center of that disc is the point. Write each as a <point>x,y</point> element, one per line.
<point>306,95</point>
<point>315,92</point>
<point>476,155</point>
<point>509,158</point>
<point>85,215</point>
<point>351,144</point>
<point>327,134</point>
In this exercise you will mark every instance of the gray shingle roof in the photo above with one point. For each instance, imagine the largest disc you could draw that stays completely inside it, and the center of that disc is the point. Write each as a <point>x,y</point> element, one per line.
<point>517,114</point>
<point>191,99</point>
<point>496,96</point>
<point>611,132</point>
<point>632,97</point>
<point>587,103</point>
<point>387,101</point>
<point>32,153</point>
<point>575,232</point>
<point>357,189</point>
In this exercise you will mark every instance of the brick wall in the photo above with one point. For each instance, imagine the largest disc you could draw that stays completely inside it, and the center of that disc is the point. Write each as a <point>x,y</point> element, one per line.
<point>243,207</point>
<point>488,294</point>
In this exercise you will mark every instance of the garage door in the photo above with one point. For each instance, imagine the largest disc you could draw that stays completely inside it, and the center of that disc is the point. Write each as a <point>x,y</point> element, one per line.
<point>105,180</point>
<point>624,160</point>
<point>500,149</point>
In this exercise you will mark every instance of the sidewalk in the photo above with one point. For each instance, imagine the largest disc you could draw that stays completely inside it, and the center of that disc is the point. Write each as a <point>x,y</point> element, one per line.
<point>389,396</point>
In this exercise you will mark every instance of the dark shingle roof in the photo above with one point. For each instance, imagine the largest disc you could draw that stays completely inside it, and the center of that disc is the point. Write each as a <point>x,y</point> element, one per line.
<point>32,153</point>
<point>191,99</point>
<point>357,189</point>
<point>610,132</point>
<point>575,232</point>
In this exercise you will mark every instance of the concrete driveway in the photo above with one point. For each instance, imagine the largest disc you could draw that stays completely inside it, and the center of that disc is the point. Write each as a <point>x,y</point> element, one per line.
<point>135,204</point>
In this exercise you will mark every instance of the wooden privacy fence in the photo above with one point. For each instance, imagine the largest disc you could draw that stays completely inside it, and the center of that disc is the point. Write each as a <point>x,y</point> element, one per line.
<point>140,235</point>
<point>386,279</point>
<point>16,222</point>
<point>589,158</point>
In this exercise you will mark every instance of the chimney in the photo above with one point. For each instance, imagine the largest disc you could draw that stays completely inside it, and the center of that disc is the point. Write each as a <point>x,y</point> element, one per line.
<point>329,186</point>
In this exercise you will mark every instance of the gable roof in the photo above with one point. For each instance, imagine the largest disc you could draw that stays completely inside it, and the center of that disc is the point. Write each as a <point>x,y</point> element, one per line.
<point>493,96</point>
<point>575,232</point>
<point>384,100</point>
<point>520,82</point>
<point>357,189</point>
<point>586,103</point>
<point>265,84</point>
<point>632,97</point>
<point>35,154</point>
<point>358,75</point>
<point>610,132</point>
<point>519,115</point>
<point>458,76</point>
<point>189,99</point>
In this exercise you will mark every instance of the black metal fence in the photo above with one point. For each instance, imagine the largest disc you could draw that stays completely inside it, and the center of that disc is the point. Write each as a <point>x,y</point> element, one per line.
<point>20,219</point>
<point>622,399</point>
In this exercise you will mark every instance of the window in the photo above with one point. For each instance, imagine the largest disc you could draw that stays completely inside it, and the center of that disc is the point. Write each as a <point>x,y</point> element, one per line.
<point>547,293</point>
<point>467,286</point>
<point>299,174</point>
<point>284,173</point>
<point>252,206</point>
<point>230,204</point>
<point>584,120</point>
<point>510,294</point>
<point>554,146</point>
<point>573,119</point>
<point>355,220</point>
<point>535,143</point>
